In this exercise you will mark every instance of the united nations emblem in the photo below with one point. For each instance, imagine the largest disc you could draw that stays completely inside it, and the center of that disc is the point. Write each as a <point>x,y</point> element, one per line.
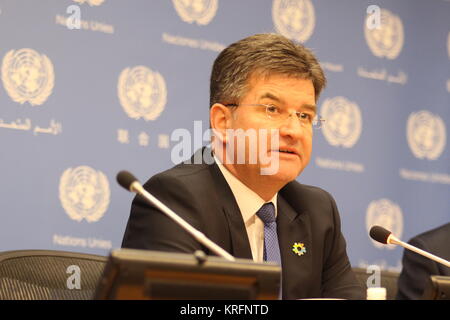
<point>142,93</point>
<point>387,40</point>
<point>27,76</point>
<point>426,135</point>
<point>387,214</point>
<point>294,19</point>
<point>84,193</point>
<point>90,2</point>
<point>200,11</point>
<point>343,122</point>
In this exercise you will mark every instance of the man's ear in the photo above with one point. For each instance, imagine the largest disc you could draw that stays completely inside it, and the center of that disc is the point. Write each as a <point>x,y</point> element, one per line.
<point>220,117</point>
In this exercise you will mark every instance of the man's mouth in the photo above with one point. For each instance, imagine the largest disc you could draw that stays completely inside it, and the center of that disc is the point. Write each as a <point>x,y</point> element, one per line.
<point>287,150</point>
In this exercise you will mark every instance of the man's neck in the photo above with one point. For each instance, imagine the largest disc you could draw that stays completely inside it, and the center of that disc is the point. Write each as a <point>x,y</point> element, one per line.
<point>262,186</point>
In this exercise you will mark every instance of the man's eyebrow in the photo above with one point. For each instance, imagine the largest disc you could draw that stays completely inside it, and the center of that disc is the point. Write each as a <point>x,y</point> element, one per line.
<point>311,107</point>
<point>271,96</point>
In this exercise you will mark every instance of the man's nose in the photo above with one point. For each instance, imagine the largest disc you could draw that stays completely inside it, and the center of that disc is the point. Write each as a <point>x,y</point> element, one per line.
<point>292,127</point>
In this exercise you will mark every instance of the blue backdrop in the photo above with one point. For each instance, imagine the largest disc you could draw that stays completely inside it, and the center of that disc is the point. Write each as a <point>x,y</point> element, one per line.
<point>90,87</point>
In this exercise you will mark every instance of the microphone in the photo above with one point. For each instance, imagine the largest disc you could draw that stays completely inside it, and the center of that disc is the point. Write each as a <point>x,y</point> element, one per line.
<point>130,183</point>
<point>380,234</point>
<point>126,180</point>
<point>384,236</point>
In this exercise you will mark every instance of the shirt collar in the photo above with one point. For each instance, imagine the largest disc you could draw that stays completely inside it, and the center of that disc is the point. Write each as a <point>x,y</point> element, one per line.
<point>249,202</point>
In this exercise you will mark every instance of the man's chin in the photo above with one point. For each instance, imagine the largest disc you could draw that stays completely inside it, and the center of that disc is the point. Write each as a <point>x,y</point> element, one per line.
<point>281,174</point>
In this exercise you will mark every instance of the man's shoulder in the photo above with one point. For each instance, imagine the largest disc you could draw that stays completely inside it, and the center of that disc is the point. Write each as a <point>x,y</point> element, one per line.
<point>183,172</point>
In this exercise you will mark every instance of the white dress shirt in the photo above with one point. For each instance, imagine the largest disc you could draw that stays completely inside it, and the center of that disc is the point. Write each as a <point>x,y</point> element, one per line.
<point>249,203</point>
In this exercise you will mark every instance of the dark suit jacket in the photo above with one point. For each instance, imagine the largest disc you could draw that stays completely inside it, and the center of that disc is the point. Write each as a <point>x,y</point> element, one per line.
<point>200,194</point>
<point>417,269</point>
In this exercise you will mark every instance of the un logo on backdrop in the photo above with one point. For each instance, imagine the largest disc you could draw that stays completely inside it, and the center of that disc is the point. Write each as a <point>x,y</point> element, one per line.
<point>343,122</point>
<point>294,19</point>
<point>142,93</point>
<point>90,2</point>
<point>84,193</point>
<point>426,135</point>
<point>199,11</point>
<point>387,214</point>
<point>386,40</point>
<point>27,76</point>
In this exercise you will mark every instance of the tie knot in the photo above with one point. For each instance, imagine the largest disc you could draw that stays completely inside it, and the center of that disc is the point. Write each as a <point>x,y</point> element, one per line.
<point>267,213</point>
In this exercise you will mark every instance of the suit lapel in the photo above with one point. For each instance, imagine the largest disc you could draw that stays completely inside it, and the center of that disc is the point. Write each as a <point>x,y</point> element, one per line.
<point>293,227</point>
<point>294,238</point>
<point>227,203</point>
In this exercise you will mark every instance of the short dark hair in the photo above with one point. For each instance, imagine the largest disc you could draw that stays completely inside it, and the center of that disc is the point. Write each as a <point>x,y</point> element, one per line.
<point>261,55</point>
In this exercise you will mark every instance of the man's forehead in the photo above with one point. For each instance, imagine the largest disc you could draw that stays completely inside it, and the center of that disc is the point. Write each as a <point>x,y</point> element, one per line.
<point>277,79</point>
<point>280,88</point>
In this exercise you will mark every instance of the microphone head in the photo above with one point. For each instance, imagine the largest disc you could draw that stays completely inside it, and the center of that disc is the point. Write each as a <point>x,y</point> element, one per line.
<point>126,179</point>
<point>380,234</point>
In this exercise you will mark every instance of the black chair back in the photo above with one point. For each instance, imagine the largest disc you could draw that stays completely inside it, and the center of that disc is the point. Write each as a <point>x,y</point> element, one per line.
<point>46,275</point>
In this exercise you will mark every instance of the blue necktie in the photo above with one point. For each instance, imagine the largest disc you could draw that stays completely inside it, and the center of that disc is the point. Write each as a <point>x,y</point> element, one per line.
<point>271,247</point>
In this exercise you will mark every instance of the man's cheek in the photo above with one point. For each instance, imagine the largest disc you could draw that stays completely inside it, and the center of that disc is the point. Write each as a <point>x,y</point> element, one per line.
<point>270,161</point>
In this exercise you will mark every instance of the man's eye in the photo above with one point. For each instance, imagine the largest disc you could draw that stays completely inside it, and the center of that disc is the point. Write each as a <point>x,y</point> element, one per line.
<point>305,116</point>
<point>272,109</point>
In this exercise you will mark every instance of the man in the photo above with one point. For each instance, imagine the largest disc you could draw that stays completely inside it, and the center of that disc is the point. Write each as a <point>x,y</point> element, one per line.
<point>417,269</point>
<point>267,86</point>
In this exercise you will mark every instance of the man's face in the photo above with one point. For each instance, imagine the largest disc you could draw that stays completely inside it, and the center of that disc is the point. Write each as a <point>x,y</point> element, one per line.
<point>291,95</point>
